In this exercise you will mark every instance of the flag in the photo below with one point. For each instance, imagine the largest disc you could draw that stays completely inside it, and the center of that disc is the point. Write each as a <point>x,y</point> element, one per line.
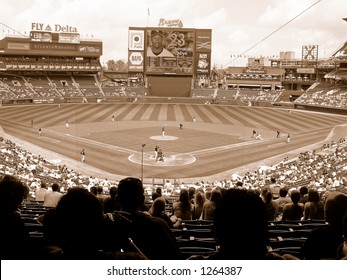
<point>148,13</point>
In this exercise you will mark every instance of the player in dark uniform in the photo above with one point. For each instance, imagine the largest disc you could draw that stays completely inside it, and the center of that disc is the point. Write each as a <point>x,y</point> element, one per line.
<point>83,155</point>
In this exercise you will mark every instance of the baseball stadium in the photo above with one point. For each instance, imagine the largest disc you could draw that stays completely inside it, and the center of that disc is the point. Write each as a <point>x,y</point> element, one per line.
<point>172,121</point>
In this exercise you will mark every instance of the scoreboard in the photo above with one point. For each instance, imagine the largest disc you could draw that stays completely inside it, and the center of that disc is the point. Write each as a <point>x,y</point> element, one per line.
<point>180,47</point>
<point>43,36</point>
<point>169,51</point>
<point>38,36</point>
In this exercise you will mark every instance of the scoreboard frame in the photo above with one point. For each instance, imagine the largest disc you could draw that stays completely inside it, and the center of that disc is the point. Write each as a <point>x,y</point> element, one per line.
<point>188,51</point>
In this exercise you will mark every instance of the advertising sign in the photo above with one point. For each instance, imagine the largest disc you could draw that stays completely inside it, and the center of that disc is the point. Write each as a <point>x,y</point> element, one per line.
<point>136,40</point>
<point>310,52</point>
<point>203,40</point>
<point>136,61</point>
<point>203,63</point>
<point>305,70</point>
<point>69,38</point>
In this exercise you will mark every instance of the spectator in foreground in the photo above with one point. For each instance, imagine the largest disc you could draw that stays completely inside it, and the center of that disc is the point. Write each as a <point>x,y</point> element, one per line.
<point>110,203</point>
<point>77,229</point>
<point>324,241</point>
<point>79,226</point>
<point>241,228</point>
<point>151,235</point>
<point>314,208</point>
<point>342,250</point>
<point>271,206</point>
<point>303,194</point>
<point>158,210</point>
<point>275,187</point>
<point>41,192</point>
<point>52,198</point>
<point>183,208</point>
<point>283,199</point>
<point>14,242</point>
<point>210,205</point>
<point>199,200</point>
<point>293,210</point>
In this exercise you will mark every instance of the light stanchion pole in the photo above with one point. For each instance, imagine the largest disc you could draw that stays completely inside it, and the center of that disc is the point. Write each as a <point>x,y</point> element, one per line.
<point>143,147</point>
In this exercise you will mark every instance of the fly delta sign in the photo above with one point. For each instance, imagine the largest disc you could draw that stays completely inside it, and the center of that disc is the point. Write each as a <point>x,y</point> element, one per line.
<point>35,26</point>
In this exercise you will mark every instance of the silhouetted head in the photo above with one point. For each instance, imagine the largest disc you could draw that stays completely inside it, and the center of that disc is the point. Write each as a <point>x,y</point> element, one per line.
<point>113,191</point>
<point>12,193</point>
<point>216,195</point>
<point>241,225</point>
<point>303,190</point>
<point>266,195</point>
<point>313,195</point>
<point>335,208</point>
<point>131,194</point>
<point>55,187</point>
<point>158,206</point>
<point>155,195</point>
<point>80,218</point>
<point>295,196</point>
<point>283,192</point>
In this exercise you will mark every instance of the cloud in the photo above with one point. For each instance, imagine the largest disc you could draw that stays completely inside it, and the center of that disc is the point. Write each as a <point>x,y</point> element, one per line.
<point>236,25</point>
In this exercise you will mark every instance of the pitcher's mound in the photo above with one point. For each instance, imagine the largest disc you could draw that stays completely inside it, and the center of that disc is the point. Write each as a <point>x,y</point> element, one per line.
<point>163,138</point>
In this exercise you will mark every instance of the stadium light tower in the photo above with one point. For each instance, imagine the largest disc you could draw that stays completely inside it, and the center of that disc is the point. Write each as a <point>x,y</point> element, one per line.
<point>143,147</point>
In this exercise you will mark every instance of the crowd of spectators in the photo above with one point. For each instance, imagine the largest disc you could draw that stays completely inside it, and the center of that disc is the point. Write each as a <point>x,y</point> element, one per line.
<point>45,64</point>
<point>335,97</point>
<point>91,218</point>
<point>27,87</point>
<point>60,86</point>
<point>214,96</point>
<point>323,170</point>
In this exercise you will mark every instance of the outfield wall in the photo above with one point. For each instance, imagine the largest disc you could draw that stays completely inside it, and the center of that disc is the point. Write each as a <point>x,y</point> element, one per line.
<point>329,110</point>
<point>169,100</point>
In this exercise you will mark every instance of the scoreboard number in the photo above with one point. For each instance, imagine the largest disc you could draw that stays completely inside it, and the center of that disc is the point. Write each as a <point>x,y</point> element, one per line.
<point>177,40</point>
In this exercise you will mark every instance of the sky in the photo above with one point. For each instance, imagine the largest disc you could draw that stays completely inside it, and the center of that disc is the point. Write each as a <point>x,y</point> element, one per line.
<point>239,27</point>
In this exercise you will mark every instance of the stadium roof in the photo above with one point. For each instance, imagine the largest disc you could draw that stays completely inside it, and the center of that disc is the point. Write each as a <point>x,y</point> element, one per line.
<point>342,52</point>
<point>337,75</point>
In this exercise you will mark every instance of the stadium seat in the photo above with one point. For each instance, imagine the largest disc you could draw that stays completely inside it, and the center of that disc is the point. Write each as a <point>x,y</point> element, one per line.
<point>201,251</point>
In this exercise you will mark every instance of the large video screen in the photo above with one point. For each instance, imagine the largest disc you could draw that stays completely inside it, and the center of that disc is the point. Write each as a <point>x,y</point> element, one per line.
<point>169,51</point>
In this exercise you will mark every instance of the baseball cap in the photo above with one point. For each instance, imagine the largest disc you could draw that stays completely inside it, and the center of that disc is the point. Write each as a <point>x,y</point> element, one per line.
<point>157,32</point>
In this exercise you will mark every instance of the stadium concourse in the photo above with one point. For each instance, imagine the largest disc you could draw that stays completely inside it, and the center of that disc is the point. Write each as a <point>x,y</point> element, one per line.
<point>213,148</point>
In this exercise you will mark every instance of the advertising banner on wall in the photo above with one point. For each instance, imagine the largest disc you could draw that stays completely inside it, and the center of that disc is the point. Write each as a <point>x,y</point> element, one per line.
<point>203,63</point>
<point>136,40</point>
<point>136,61</point>
<point>309,52</point>
<point>69,38</point>
<point>170,51</point>
<point>203,40</point>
